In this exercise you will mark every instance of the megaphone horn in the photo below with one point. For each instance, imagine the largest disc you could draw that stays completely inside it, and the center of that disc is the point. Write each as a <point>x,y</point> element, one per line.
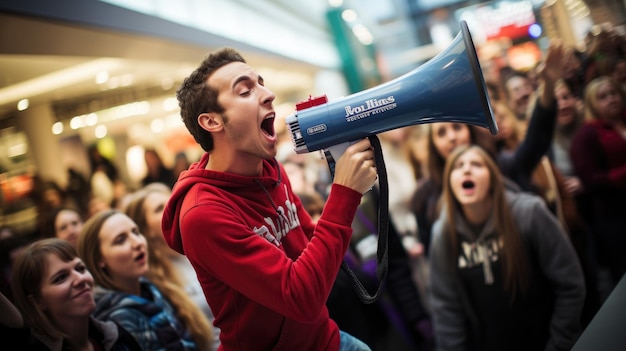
<point>448,88</point>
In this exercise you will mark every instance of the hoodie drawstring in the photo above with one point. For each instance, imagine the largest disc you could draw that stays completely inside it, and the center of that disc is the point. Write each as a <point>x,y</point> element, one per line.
<point>269,196</point>
<point>267,193</point>
<point>486,264</point>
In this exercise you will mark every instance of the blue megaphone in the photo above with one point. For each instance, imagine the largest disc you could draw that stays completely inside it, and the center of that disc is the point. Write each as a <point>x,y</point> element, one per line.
<point>448,88</point>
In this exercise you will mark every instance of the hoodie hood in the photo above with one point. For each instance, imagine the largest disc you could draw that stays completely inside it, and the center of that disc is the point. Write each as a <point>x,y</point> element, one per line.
<point>486,242</point>
<point>479,241</point>
<point>468,234</point>
<point>105,332</point>
<point>197,175</point>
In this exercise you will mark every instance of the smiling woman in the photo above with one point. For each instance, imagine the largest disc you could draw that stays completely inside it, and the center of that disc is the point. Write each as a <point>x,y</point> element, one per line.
<point>54,292</point>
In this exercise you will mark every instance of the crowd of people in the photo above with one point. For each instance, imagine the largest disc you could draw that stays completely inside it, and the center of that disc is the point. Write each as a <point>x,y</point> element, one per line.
<point>495,242</point>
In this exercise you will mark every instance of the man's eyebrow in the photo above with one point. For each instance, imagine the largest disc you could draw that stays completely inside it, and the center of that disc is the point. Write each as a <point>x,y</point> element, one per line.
<point>246,78</point>
<point>240,79</point>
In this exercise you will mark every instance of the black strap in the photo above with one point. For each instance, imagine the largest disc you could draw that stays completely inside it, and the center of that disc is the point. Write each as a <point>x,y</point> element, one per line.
<point>382,254</point>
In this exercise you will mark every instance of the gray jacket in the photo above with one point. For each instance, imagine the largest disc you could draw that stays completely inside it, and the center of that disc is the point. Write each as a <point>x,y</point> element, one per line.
<point>455,321</point>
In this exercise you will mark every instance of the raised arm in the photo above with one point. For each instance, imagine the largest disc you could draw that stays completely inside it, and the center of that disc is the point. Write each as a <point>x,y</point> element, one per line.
<point>542,122</point>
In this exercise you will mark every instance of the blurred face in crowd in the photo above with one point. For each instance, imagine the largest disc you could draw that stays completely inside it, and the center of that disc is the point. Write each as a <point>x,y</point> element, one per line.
<point>566,104</point>
<point>67,226</point>
<point>609,102</point>
<point>154,205</point>
<point>52,198</point>
<point>153,162</point>
<point>519,91</point>
<point>447,136</point>
<point>124,250</point>
<point>470,179</point>
<point>619,73</point>
<point>506,121</point>
<point>572,66</point>
<point>66,289</point>
<point>491,71</point>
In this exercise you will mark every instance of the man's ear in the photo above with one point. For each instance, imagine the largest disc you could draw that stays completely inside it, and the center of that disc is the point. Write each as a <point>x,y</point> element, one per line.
<point>211,121</point>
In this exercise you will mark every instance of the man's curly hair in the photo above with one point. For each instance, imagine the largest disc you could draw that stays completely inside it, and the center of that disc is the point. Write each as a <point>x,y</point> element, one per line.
<point>196,97</point>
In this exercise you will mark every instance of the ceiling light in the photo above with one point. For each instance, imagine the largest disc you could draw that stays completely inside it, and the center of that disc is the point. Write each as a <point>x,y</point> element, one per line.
<point>349,15</point>
<point>363,34</point>
<point>76,122</point>
<point>102,77</point>
<point>57,128</point>
<point>156,125</point>
<point>56,80</point>
<point>101,131</point>
<point>335,3</point>
<point>91,119</point>
<point>22,104</point>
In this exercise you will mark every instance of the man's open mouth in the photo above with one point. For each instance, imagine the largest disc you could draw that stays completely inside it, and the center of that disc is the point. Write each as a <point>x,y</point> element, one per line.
<point>268,126</point>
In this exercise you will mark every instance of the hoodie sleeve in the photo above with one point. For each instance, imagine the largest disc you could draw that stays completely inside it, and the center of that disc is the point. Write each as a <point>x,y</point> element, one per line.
<point>560,265</point>
<point>449,322</point>
<point>221,244</point>
<point>589,161</point>
<point>536,143</point>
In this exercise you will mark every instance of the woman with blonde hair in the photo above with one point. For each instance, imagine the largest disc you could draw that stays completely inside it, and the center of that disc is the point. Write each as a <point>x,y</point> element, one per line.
<point>157,313</point>
<point>598,154</point>
<point>145,207</point>
<point>504,276</point>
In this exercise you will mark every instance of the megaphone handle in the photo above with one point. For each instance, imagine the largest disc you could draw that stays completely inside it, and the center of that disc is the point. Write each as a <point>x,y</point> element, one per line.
<point>333,153</point>
<point>382,254</point>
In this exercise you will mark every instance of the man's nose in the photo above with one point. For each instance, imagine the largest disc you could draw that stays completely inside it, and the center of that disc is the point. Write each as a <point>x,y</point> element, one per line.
<point>268,96</point>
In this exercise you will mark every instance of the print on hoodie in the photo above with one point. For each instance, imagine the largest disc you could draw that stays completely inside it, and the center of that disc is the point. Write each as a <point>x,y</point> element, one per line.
<point>286,221</point>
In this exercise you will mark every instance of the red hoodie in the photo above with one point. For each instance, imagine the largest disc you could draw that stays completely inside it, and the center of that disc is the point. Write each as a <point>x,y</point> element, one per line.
<point>265,268</point>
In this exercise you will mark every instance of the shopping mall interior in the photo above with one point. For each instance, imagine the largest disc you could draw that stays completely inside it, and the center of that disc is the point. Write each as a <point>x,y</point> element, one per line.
<point>84,75</point>
<point>77,73</point>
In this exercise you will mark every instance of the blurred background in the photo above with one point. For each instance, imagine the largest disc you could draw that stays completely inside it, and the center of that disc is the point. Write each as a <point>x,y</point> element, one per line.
<point>79,75</point>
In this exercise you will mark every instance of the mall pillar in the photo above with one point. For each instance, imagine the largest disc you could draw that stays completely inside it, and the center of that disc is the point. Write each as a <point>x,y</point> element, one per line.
<point>352,54</point>
<point>43,146</point>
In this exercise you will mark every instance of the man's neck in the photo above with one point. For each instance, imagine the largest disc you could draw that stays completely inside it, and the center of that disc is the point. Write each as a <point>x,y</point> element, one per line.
<point>246,166</point>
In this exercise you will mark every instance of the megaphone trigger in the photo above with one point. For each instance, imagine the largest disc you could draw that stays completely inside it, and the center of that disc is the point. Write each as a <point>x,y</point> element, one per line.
<point>333,153</point>
<point>337,150</point>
